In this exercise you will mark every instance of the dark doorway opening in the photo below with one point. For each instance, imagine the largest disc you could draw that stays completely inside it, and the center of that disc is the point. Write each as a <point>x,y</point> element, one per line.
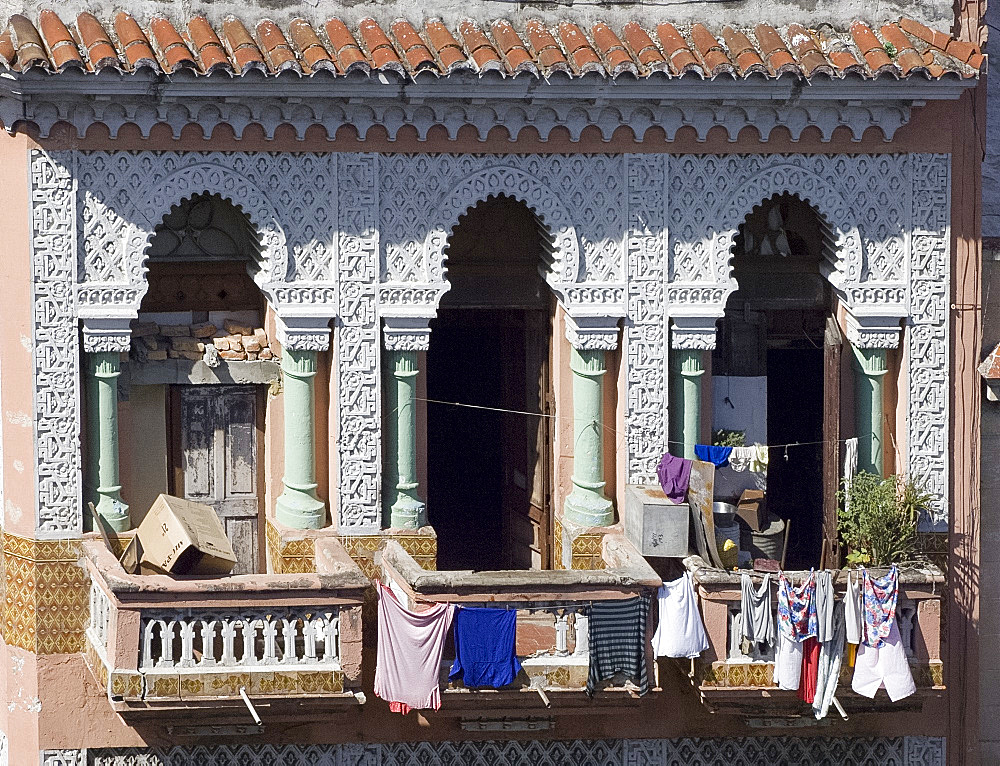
<point>780,344</point>
<point>489,449</point>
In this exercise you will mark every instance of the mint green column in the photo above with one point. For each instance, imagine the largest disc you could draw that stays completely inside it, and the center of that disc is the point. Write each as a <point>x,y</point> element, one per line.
<point>103,369</point>
<point>870,380</point>
<point>405,509</point>
<point>686,368</point>
<point>298,506</point>
<point>586,504</point>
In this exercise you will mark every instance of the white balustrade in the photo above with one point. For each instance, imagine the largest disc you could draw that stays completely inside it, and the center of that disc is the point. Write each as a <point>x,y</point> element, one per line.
<point>194,639</point>
<point>100,616</point>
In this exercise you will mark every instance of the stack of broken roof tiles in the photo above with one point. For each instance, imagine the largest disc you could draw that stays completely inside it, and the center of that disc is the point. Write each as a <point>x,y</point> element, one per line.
<point>898,49</point>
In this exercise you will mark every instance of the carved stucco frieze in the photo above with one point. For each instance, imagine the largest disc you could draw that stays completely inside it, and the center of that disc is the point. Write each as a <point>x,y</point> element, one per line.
<point>658,256</point>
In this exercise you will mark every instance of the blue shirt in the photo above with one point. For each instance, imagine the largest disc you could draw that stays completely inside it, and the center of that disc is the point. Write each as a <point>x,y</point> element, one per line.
<point>484,647</point>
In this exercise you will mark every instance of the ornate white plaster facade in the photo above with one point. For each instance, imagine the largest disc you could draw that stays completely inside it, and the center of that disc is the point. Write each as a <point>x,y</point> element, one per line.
<point>358,239</point>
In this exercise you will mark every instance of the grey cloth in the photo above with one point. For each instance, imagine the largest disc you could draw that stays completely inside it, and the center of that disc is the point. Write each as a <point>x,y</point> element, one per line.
<point>852,609</point>
<point>824,606</point>
<point>755,610</point>
<point>831,656</point>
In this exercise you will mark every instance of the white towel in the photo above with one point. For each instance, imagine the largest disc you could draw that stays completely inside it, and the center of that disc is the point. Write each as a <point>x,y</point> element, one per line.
<point>740,457</point>
<point>824,606</point>
<point>681,632</point>
<point>787,663</point>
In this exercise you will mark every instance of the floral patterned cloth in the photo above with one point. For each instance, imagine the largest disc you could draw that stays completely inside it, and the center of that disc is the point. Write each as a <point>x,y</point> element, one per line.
<point>879,598</point>
<point>797,608</point>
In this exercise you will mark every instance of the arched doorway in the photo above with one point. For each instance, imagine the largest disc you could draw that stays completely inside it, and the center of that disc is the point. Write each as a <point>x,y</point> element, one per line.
<point>490,462</point>
<point>776,371</point>
<point>192,435</point>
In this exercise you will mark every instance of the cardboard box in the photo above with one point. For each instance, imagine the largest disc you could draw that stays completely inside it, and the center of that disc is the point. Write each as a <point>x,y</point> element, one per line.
<point>653,524</point>
<point>183,537</point>
<point>751,509</point>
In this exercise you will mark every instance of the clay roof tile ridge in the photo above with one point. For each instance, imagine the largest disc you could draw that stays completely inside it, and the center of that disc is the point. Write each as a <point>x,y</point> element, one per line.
<point>311,52</point>
<point>62,48</point>
<point>276,47</point>
<point>27,43</point>
<point>241,47</point>
<point>479,48</point>
<point>172,51</point>
<point>134,43</point>
<point>644,49</point>
<point>448,51</point>
<point>612,50</point>
<point>378,48</point>
<point>515,53</point>
<point>207,46</point>
<point>805,47</point>
<point>417,52</point>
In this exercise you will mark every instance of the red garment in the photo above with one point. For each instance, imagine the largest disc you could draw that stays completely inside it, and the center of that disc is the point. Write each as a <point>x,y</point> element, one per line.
<point>810,669</point>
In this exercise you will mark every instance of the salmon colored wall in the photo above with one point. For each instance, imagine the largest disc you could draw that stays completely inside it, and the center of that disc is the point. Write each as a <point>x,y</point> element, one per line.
<point>324,413</point>
<point>562,391</point>
<point>16,389</point>
<point>274,433</point>
<point>142,444</point>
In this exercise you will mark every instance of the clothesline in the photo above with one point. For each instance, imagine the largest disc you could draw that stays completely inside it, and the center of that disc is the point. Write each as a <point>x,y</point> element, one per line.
<point>609,428</point>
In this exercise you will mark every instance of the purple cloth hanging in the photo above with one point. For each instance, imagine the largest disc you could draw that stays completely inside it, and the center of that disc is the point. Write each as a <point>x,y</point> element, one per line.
<point>675,475</point>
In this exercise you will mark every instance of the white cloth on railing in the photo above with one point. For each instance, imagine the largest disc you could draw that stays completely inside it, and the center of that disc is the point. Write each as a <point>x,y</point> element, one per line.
<point>681,632</point>
<point>408,660</point>
<point>755,610</point>
<point>850,469</point>
<point>886,667</point>
<point>787,663</point>
<point>852,609</point>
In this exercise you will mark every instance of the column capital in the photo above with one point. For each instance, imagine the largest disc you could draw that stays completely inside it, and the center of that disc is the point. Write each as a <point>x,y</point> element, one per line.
<point>107,335</point>
<point>304,333</point>
<point>873,331</point>
<point>597,333</point>
<point>693,333</point>
<point>406,333</point>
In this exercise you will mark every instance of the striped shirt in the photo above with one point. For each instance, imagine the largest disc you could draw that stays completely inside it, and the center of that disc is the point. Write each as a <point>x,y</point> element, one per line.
<point>618,641</point>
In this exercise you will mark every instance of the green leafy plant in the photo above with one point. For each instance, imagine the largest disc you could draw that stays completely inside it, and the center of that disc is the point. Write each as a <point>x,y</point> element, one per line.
<point>878,518</point>
<point>727,438</point>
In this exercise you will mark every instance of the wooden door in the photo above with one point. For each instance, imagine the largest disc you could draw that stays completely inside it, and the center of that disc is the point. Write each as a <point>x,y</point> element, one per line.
<point>832,346</point>
<point>216,449</point>
<point>527,437</point>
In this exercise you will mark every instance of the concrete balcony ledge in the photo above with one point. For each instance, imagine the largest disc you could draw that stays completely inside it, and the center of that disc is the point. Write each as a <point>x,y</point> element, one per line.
<point>552,632</point>
<point>162,646</point>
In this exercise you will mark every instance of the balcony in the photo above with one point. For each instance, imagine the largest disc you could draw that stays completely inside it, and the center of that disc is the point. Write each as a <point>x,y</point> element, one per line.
<point>732,682</point>
<point>551,640</point>
<point>161,645</point>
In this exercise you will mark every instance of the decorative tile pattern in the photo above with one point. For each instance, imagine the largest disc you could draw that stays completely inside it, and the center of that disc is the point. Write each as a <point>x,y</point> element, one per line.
<point>46,599</point>
<point>361,548</point>
<point>287,553</point>
<point>761,674</point>
<point>735,751</point>
<point>557,544</point>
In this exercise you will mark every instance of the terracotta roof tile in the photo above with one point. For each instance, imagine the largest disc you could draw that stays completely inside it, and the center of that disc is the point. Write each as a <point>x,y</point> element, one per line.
<point>418,55</point>
<point>479,46</point>
<point>584,58</point>
<point>138,52</point>
<point>59,40</point>
<point>512,47</point>
<point>546,48</point>
<point>380,49</point>
<point>896,50</point>
<point>807,51</point>
<point>643,47</point>
<point>676,47</point>
<point>779,59</point>
<point>448,49</point>
<point>242,46</point>
<point>613,50</point>
<point>277,51</point>
<point>748,61</point>
<point>711,50</point>
<point>7,47</point>
<point>907,57</point>
<point>207,46</point>
<point>345,47</point>
<point>314,54</point>
<point>28,43</point>
<point>174,53</point>
<point>871,47</point>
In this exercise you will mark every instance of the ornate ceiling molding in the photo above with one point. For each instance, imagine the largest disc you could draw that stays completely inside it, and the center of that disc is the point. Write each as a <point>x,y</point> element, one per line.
<point>467,99</point>
<point>103,335</point>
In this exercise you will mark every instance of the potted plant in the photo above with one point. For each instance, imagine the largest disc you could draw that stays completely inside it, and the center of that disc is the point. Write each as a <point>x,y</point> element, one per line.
<point>878,518</point>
